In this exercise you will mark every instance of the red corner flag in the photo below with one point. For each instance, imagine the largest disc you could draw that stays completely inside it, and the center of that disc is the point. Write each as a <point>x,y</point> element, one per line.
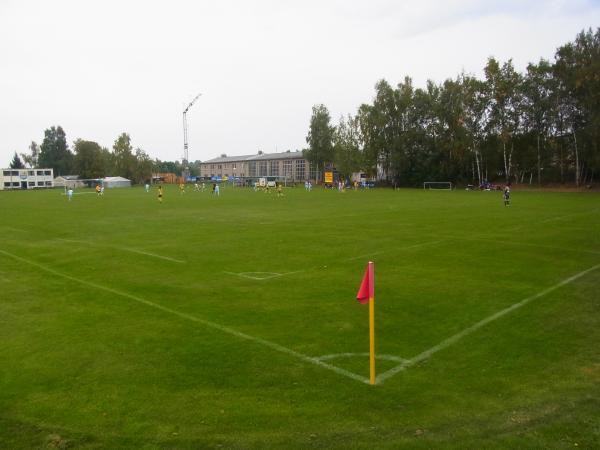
<point>366,291</point>
<point>366,294</point>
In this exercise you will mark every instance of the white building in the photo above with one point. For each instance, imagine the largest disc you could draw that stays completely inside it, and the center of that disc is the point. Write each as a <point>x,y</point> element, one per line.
<point>26,178</point>
<point>69,181</point>
<point>115,182</point>
<point>290,166</point>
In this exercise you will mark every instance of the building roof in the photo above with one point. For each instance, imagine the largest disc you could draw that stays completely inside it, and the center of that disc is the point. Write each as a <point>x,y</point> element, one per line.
<point>256,157</point>
<point>115,179</point>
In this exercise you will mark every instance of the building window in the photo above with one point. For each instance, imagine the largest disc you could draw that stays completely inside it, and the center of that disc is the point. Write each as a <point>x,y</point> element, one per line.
<point>40,173</point>
<point>31,173</point>
<point>233,166</point>
<point>262,168</point>
<point>313,171</point>
<point>48,183</point>
<point>40,183</point>
<point>6,173</point>
<point>300,169</point>
<point>6,184</point>
<point>287,169</point>
<point>31,183</point>
<point>220,167</point>
<point>47,172</point>
<point>252,168</point>
<point>16,184</point>
<point>274,169</point>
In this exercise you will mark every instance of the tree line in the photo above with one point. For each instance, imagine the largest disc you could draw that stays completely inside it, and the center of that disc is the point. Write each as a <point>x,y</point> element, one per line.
<point>540,126</point>
<point>90,160</point>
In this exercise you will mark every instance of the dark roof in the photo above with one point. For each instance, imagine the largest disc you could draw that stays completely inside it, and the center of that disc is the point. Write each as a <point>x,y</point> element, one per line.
<point>259,157</point>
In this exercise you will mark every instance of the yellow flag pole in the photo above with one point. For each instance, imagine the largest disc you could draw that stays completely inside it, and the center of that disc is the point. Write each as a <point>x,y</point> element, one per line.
<point>372,321</point>
<point>372,338</point>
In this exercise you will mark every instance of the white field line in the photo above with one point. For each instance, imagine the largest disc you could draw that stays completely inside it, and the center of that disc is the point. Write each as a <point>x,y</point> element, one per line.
<point>352,355</point>
<point>266,276</point>
<point>125,249</point>
<point>14,229</point>
<point>409,247</point>
<point>453,339</point>
<point>567,216</point>
<point>504,241</point>
<point>249,275</point>
<point>206,323</point>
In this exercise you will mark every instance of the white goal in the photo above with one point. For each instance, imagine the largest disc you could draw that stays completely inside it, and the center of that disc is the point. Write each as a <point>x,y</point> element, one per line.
<point>438,185</point>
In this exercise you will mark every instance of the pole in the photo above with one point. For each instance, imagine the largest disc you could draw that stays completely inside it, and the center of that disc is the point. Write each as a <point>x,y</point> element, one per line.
<point>372,321</point>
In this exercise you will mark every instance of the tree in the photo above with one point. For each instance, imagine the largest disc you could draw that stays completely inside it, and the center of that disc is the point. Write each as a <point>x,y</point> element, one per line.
<point>124,160</point>
<point>16,162</point>
<point>346,147</point>
<point>54,151</point>
<point>505,103</point>
<point>369,136</point>
<point>576,69</point>
<point>32,158</point>
<point>88,160</point>
<point>539,112</point>
<point>143,166</point>
<point>474,120</point>
<point>319,139</point>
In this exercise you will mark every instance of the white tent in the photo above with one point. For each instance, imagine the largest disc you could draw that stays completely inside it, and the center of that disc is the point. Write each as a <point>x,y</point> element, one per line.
<point>115,182</point>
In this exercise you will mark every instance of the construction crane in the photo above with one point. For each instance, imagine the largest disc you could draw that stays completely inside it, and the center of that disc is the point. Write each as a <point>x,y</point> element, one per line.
<point>186,169</point>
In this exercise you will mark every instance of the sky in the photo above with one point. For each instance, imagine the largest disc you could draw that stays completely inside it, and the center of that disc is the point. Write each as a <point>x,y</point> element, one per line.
<point>101,68</point>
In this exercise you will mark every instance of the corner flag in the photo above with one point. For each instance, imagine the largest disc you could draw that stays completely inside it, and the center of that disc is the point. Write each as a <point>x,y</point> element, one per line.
<point>366,294</point>
<point>367,288</point>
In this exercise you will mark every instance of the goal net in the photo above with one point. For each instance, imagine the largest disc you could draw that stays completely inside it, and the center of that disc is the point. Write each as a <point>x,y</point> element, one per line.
<point>438,185</point>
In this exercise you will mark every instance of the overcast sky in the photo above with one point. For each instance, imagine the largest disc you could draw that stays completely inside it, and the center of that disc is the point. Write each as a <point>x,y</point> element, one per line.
<point>100,68</point>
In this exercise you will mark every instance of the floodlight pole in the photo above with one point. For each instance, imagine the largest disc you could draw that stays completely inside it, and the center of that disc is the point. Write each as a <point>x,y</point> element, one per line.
<point>186,169</point>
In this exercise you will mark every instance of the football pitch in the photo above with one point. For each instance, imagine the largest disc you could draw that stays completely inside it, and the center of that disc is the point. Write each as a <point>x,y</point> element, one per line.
<point>232,322</point>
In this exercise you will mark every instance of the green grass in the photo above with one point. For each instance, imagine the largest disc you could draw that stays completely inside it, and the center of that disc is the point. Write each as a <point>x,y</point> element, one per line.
<point>103,346</point>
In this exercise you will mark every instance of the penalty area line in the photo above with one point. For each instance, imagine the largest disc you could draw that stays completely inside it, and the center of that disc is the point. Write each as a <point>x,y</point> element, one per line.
<point>458,336</point>
<point>206,323</point>
<point>125,249</point>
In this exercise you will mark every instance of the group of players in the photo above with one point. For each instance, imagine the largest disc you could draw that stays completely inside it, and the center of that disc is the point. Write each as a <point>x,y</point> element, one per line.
<point>216,190</point>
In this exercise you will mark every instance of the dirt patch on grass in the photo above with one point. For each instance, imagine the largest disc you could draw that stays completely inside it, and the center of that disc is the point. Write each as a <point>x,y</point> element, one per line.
<point>56,441</point>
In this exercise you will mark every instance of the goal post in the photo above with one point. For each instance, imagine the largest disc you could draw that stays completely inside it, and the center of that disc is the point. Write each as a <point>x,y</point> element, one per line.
<point>438,185</point>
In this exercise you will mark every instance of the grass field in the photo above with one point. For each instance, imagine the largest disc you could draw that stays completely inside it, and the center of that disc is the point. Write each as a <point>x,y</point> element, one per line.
<point>232,322</point>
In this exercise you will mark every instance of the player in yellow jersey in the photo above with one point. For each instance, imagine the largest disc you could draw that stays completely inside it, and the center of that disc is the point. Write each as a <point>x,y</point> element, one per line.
<point>160,194</point>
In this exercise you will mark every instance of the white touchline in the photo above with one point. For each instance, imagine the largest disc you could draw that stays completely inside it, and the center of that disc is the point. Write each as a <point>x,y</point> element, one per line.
<point>526,244</point>
<point>125,249</point>
<point>204,322</point>
<point>453,339</point>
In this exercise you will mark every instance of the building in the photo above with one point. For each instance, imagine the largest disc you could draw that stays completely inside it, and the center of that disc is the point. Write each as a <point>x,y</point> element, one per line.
<point>69,181</point>
<point>115,182</point>
<point>288,166</point>
<point>26,179</point>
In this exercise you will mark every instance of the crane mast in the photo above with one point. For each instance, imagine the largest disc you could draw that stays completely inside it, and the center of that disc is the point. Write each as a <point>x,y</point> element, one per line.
<point>186,168</point>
